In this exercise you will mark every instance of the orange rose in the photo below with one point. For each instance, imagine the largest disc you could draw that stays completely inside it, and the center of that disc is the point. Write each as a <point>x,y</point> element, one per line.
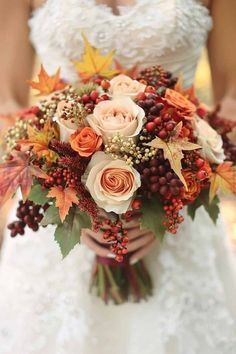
<point>193,184</point>
<point>85,141</point>
<point>181,103</point>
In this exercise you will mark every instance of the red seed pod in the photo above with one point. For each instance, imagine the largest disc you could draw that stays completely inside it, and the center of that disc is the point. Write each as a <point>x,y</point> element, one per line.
<point>136,204</point>
<point>141,96</point>
<point>199,162</point>
<point>94,95</point>
<point>105,84</point>
<point>150,126</point>
<point>201,175</point>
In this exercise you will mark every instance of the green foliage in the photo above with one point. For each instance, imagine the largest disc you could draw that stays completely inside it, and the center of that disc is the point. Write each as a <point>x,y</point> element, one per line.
<point>68,234</point>
<point>203,200</point>
<point>153,216</point>
<point>51,216</point>
<point>38,195</point>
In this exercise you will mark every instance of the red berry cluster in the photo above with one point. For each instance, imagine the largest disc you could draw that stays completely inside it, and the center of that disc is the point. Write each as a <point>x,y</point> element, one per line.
<point>89,100</point>
<point>195,163</point>
<point>29,214</point>
<point>160,122</point>
<point>61,176</point>
<point>156,76</point>
<point>117,236</point>
<point>173,219</point>
<point>158,178</point>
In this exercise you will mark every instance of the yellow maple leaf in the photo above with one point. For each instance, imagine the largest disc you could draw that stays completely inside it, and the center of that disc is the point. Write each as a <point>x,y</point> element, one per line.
<point>94,63</point>
<point>64,199</point>
<point>173,153</point>
<point>39,140</point>
<point>47,84</point>
<point>223,179</point>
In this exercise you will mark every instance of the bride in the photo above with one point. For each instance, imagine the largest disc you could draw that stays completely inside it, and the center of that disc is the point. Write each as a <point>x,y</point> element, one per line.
<point>45,307</point>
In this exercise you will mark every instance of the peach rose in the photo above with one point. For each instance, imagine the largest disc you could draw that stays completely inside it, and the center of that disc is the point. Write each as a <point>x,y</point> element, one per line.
<point>67,128</point>
<point>111,183</point>
<point>210,141</point>
<point>123,85</point>
<point>121,115</point>
<point>181,103</point>
<point>85,141</point>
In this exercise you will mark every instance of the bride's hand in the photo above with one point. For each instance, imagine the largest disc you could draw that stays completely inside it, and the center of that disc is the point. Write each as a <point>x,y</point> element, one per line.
<point>140,241</point>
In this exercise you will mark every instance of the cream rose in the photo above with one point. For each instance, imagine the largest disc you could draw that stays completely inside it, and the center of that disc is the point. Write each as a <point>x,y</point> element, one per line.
<point>210,141</point>
<point>111,183</point>
<point>125,86</point>
<point>67,128</point>
<point>120,115</point>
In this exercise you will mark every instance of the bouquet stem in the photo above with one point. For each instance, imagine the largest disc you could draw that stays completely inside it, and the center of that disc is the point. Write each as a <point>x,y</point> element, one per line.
<point>120,282</point>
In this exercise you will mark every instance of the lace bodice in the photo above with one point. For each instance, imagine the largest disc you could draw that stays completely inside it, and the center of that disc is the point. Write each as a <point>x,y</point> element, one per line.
<point>171,33</point>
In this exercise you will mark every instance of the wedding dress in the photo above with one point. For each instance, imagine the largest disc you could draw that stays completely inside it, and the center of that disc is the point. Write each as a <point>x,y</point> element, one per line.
<point>45,307</point>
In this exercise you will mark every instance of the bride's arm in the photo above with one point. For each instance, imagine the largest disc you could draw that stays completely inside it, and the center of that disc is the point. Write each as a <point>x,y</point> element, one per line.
<point>16,61</point>
<point>222,56</point>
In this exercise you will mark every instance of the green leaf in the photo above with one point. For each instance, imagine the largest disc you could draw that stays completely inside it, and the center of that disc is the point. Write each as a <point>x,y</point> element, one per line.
<point>51,216</point>
<point>153,216</point>
<point>68,234</point>
<point>203,200</point>
<point>38,195</point>
<point>213,209</point>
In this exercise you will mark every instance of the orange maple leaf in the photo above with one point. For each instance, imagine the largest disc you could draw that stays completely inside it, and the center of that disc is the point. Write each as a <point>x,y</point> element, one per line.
<point>223,179</point>
<point>15,173</point>
<point>189,93</point>
<point>64,199</point>
<point>94,63</point>
<point>47,84</point>
<point>132,72</point>
<point>39,140</point>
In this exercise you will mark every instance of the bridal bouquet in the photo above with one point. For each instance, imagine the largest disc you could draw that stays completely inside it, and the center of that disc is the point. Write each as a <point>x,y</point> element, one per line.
<point>115,145</point>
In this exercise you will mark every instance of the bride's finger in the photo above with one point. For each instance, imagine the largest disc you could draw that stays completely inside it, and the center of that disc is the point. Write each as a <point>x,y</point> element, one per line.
<point>140,242</point>
<point>96,247</point>
<point>135,233</point>
<point>97,236</point>
<point>142,252</point>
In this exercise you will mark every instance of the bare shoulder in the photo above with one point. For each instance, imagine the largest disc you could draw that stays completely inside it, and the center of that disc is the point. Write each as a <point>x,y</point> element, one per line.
<point>34,4</point>
<point>207,3</point>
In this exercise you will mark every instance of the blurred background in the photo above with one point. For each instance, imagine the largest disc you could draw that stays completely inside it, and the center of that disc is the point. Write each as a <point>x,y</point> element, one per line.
<point>203,85</point>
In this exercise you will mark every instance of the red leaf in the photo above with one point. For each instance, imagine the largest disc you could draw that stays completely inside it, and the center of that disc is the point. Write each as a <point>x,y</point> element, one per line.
<point>17,173</point>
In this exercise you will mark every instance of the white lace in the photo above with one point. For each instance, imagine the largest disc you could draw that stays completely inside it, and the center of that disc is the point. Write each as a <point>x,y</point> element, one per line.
<point>170,32</point>
<point>45,307</point>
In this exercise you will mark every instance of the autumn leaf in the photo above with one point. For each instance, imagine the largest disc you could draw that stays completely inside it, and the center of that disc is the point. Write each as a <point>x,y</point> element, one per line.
<point>47,84</point>
<point>39,140</point>
<point>67,235</point>
<point>223,179</point>
<point>189,93</point>
<point>94,63</point>
<point>16,173</point>
<point>132,72</point>
<point>173,152</point>
<point>64,199</point>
